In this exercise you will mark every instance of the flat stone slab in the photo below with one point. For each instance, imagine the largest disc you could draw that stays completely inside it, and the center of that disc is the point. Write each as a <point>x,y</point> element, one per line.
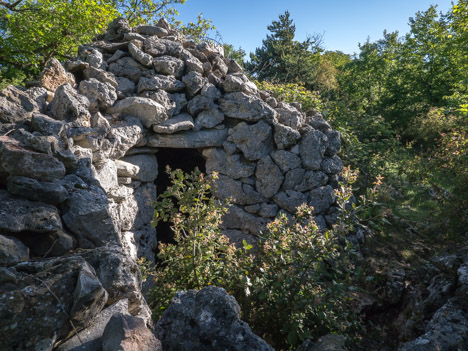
<point>190,140</point>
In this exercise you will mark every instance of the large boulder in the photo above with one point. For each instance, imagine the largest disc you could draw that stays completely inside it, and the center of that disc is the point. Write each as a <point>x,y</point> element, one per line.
<point>206,320</point>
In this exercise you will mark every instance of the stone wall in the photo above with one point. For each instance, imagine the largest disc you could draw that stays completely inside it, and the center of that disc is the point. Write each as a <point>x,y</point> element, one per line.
<point>78,165</point>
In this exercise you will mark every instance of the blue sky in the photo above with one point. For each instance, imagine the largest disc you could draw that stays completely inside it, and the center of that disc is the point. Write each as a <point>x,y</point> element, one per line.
<point>343,23</point>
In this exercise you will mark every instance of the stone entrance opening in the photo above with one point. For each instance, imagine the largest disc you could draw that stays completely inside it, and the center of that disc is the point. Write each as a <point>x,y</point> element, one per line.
<point>186,160</point>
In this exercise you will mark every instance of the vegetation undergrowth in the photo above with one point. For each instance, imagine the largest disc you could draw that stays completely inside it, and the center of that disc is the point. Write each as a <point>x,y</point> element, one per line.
<point>295,283</point>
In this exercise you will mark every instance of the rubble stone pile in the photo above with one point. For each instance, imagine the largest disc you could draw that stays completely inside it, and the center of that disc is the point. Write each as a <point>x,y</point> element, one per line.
<point>79,169</point>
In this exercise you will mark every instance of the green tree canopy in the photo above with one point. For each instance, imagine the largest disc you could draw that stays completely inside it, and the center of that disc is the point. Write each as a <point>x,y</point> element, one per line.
<point>281,59</point>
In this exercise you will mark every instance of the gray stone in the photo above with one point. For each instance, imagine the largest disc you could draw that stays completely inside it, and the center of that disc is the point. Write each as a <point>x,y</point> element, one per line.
<point>180,101</point>
<point>100,94</point>
<point>90,339</point>
<point>159,47</point>
<point>268,210</point>
<point>12,251</point>
<point>285,136</point>
<point>100,124</point>
<point>194,82</point>
<point>231,165</point>
<point>313,147</point>
<point>16,105</point>
<point>237,218</point>
<point>163,98</point>
<point>175,124</point>
<point>120,276</point>
<point>117,55</point>
<point>53,244</point>
<point>49,192</point>
<point>269,177</point>
<point>317,122</point>
<point>125,169</point>
<point>169,65</point>
<point>54,75</point>
<point>87,213</point>
<point>190,139</point>
<point>125,87</point>
<point>35,307</point>
<point>255,141</point>
<point>89,297</point>
<point>70,106</point>
<point>312,179</point>
<point>331,165</point>
<point>216,60</point>
<point>293,179</point>
<point>127,333</point>
<point>193,64</point>
<point>110,47</point>
<point>92,56</point>
<point>334,142</point>
<point>209,119</point>
<point>106,175</point>
<point>147,164</point>
<point>120,193</point>
<point>289,116</point>
<point>48,126</point>
<point>148,111</point>
<point>19,215</point>
<point>208,319</point>
<point>321,198</point>
<point>127,67</point>
<point>199,103</point>
<point>117,28</point>
<point>151,30</point>
<point>246,107</point>
<point>290,200</point>
<point>253,209</point>
<point>156,82</point>
<point>211,92</point>
<point>136,212</point>
<point>233,66</point>
<point>134,37</point>
<point>239,82</point>
<point>75,66</point>
<point>241,194</point>
<point>100,75</point>
<point>285,160</point>
<point>140,56</point>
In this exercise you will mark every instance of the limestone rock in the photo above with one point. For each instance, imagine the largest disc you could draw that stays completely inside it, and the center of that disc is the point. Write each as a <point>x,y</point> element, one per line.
<point>148,111</point>
<point>140,56</point>
<point>312,180</point>
<point>19,215</point>
<point>237,218</point>
<point>331,165</point>
<point>334,142</point>
<point>208,319</point>
<point>127,333</point>
<point>209,118</point>
<point>313,147</point>
<point>156,82</point>
<point>125,134</point>
<point>269,177</point>
<point>285,136</point>
<point>290,200</point>
<point>194,82</point>
<point>242,194</point>
<point>100,94</point>
<point>198,104</point>
<point>31,189</point>
<point>128,68</point>
<point>175,124</point>
<point>101,75</point>
<point>169,65</point>
<point>289,116</point>
<point>285,160</point>
<point>147,167</point>
<point>12,251</point>
<point>117,28</point>
<point>159,47</point>
<point>70,106</point>
<point>90,338</point>
<point>16,105</point>
<point>87,213</point>
<point>48,126</point>
<point>254,140</point>
<point>239,82</point>
<point>246,107</point>
<point>217,160</point>
<point>54,75</point>
<point>321,198</point>
<point>190,139</point>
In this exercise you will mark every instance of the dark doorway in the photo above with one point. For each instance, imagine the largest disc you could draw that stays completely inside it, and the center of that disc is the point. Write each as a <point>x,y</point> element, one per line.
<point>186,160</point>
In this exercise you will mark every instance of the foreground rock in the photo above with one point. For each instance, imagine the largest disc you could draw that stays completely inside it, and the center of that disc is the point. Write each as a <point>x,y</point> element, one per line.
<point>208,319</point>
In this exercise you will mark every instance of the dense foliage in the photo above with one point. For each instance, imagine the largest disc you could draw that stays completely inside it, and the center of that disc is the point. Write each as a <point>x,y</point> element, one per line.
<point>292,286</point>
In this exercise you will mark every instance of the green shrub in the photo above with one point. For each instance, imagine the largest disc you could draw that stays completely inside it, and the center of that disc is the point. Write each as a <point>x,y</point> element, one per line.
<point>293,285</point>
